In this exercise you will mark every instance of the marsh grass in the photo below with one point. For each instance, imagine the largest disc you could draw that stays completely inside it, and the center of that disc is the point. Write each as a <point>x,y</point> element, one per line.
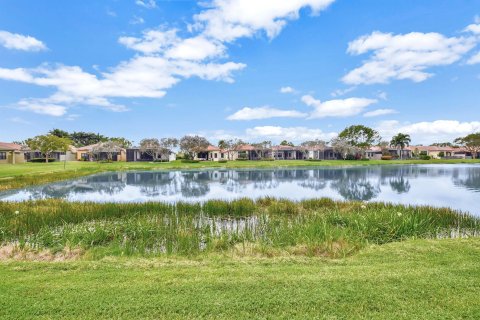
<point>267,226</point>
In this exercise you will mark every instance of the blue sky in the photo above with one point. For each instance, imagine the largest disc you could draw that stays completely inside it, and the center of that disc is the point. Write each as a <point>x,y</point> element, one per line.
<point>268,70</point>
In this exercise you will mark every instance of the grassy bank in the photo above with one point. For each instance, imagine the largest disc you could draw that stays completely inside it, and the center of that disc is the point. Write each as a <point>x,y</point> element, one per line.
<point>417,279</point>
<point>266,227</point>
<point>21,175</point>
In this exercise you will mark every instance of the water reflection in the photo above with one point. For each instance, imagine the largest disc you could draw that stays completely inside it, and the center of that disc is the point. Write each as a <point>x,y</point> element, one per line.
<point>457,186</point>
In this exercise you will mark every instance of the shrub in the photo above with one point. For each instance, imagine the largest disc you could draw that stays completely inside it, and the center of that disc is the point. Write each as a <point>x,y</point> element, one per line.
<point>190,161</point>
<point>425,157</point>
<point>222,161</point>
<point>314,160</point>
<point>387,158</point>
<point>350,157</point>
<point>242,159</point>
<point>364,159</point>
<point>160,160</point>
<point>42,160</point>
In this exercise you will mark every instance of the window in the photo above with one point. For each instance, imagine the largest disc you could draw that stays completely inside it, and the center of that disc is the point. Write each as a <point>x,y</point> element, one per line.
<point>215,155</point>
<point>3,155</point>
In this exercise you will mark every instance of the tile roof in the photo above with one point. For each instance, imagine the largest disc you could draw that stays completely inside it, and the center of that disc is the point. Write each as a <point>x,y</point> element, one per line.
<point>10,146</point>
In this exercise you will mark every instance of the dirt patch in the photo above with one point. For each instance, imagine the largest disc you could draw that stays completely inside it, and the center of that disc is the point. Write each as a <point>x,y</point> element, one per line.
<point>13,252</point>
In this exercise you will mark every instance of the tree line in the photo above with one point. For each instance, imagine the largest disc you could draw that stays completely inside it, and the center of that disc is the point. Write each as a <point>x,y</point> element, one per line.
<point>353,140</point>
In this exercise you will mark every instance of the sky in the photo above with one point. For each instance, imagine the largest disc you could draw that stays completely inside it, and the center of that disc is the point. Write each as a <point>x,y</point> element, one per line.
<point>256,70</point>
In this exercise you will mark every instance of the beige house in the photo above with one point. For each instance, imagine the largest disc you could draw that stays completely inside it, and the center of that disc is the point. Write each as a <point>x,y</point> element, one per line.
<point>86,154</point>
<point>441,152</point>
<point>11,153</point>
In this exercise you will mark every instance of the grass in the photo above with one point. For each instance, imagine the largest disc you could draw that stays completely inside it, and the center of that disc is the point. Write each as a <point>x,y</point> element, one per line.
<point>266,227</point>
<point>21,175</point>
<point>416,279</point>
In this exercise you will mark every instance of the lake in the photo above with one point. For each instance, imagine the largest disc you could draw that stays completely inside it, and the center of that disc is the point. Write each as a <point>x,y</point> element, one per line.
<point>455,186</point>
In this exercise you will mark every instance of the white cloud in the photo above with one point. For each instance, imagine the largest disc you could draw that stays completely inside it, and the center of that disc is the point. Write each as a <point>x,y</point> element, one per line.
<point>149,4</point>
<point>47,109</point>
<point>137,20</point>
<point>20,42</point>
<point>227,20</point>
<point>473,28</point>
<point>474,59</point>
<point>336,108</point>
<point>287,90</point>
<point>379,112</point>
<point>429,132</point>
<point>264,113</point>
<point>341,92</point>
<point>164,58</point>
<point>295,134</point>
<point>404,56</point>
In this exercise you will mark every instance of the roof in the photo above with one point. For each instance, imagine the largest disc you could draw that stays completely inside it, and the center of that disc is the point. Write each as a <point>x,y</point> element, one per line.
<point>89,147</point>
<point>245,147</point>
<point>10,146</point>
<point>434,149</point>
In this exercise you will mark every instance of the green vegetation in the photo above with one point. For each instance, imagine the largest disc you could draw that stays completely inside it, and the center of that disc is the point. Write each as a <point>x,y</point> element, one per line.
<point>317,227</point>
<point>419,279</point>
<point>21,175</point>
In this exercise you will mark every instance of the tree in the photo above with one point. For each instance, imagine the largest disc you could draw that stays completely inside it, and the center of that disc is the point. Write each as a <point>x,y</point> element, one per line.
<point>343,147</point>
<point>109,147</point>
<point>287,143</point>
<point>59,133</point>
<point>262,147</point>
<point>192,145</point>
<point>312,145</point>
<point>400,141</point>
<point>47,144</point>
<point>167,144</point>
<point>151,146</point>
<point>360,137</point>
<point>230,146</point>
<point>123,142</point>
<point>442,144</point>
<point>81,139</point>
<point>471,143</point>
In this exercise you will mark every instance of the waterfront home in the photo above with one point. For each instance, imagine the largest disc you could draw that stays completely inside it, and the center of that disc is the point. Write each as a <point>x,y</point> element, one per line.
<point>134,154</point>
<point>376,153</point>
<point>11,153</point>
<point>87,153</point>
<point>70,155</point>
<point>213,153</point>
<point>442,152</point>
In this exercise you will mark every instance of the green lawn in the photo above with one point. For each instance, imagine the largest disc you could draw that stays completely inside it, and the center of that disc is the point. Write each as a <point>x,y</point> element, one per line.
<point>21,175</point>
<point>417,279</point>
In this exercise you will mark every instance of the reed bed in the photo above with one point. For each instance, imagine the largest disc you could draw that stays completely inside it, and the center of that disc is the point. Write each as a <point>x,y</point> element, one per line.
<point>266,226</point>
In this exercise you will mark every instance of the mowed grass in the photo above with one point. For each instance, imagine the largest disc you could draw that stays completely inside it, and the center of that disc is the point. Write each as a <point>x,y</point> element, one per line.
<point>416,279</point>
<point>265,227</point>
<point>21,175</point>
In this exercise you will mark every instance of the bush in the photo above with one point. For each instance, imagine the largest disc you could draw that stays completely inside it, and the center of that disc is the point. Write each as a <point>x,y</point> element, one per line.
<point>42,160</point>
<point>350,157</point>
<point>364,159</point>
<point>425,157</point>
<point>242,159</point>
<point>190,161</point>
<point>314,160</point>
<point>160,160</point>
<point>222,161</point>
<point>387,158</point>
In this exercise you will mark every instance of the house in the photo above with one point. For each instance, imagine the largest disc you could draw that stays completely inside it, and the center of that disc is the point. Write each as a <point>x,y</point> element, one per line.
<point>213,153</point>
<point>440,152</point>
<point>11,153</point>
<point>70,155</point>
<point>377,152</point>
<point>87,153</point>
<point>135,154</point>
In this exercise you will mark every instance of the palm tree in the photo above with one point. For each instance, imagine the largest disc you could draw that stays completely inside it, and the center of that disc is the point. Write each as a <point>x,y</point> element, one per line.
<point>400,141</point>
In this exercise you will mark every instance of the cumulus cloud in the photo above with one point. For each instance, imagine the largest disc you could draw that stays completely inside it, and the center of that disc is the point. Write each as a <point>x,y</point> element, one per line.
<point>163,58</point>
<point>404,56</point>
<point>42,108</point>
<point>474,59</point>
<point>429,132</point>
<point>264,113</point>
<point>20,42</point>
<point>379,112</point>
<point>336,108</point>
<point>149,4</point>
<point>295,134</point>
<point>287,90</point>
<point>228,20</point>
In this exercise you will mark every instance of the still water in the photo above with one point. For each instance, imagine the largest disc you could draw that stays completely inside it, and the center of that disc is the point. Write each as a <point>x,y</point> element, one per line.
<point>455,186</point>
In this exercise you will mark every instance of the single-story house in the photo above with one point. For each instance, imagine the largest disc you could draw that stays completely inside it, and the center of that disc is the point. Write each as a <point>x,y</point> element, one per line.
<point>135,154</point>
<point>377,152</point>
<point>213,153</point>
<point>441,152</point>
<point>86,153</point>
<point>11,153</point>
<point>70,155</point>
